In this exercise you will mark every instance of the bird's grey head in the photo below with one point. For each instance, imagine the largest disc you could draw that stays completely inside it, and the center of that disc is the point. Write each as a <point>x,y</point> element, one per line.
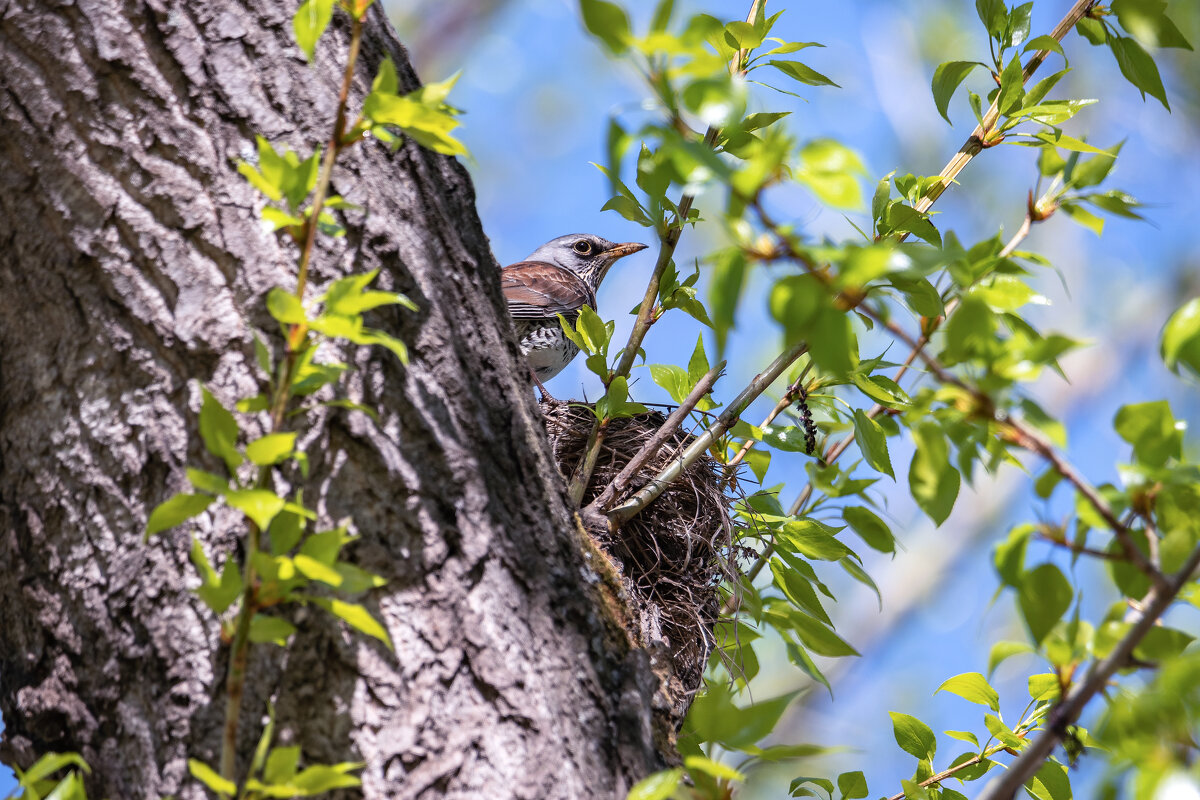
<point>586,255</point>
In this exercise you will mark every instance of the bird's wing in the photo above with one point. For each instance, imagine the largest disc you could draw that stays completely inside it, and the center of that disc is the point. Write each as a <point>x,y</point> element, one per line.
<point>540,290</point>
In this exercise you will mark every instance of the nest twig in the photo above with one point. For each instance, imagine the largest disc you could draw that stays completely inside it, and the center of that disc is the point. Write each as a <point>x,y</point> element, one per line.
<point>674,554</point>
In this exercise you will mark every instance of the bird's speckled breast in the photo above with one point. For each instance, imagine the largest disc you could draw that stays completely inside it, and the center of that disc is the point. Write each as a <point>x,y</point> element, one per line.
<point>545,347</point>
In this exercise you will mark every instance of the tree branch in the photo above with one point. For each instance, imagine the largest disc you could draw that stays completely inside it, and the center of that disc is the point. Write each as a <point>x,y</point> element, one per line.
<point>645,318</point>
<point>1067,712</point>
<point>978,139</point>
<point>618,484</point>
<point>950,773</point>
<point>701,443</point>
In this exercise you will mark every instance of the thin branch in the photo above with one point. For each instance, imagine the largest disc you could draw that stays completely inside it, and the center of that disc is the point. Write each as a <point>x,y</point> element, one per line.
<point>620,483</point>
<point>1079,550</point>
<point>1032,440</point>
<point>835,451</point>
<point>645,316</point>
<point>701,443</point>
<point>1067,712</point>
<point>785,402</point>
<point>235,678</point>
<point>950,773</point>
<point>979,138</point>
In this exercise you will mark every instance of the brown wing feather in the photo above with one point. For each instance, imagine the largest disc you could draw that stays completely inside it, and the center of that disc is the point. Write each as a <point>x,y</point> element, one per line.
<point>540,290</point>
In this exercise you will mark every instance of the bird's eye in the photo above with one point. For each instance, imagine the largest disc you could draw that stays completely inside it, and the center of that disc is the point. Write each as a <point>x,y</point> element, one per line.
<point>583,247</point>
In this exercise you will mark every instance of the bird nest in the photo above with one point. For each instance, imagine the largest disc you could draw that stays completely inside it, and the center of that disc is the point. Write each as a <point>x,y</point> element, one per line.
<point>672,556</point>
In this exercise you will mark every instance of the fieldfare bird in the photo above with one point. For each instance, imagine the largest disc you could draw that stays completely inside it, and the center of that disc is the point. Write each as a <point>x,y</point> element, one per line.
<point>560,277</point>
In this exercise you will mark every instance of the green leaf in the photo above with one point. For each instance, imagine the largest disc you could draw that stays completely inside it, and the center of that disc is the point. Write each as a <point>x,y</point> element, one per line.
<point>852,785</point>
<point>322,778</point>
<point>311,20</point>
<point>271,449</point>
<point>673,379</point>
<point>1044,42</point>
<point>1012,87</point>
<point>870,528</point>
<point>1050,783</point>
<point>260,505</point>
<point>174,510</point>
<point>802,73</point>
<point>426,121</point>
<point>914,736</point>
<point>356,617</point>
<point>1002,651</point>
<point>658,786</point>
<point>1181,339</point>
<point>607,22</point>
<point>270,630</point>
<point>946,79</point>
<point>831,170</point>
<point>1084,217</point>
<point>219,431</point>
<point>873,443</point>
<point>313,569</point>
<point>882,390</point>
<point>285,307</point>
<point>49,764</point>
<point>715,718</point>
<point>974,688</point>
<point>713,769</point>
<point>1044,686</point>
<point>1152,430</point>
<point>1139,68</point>
<point>819,638</point>
<point>210,777</point>
<point>964,736</point>
<point>901,218</point>
<point>218,593</point>
<point>1146,20</point>
<point>933,481</point>
<point>1044,596</point>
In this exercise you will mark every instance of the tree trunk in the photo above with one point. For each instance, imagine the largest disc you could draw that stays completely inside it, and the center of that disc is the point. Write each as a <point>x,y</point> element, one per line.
<point>132,269</point>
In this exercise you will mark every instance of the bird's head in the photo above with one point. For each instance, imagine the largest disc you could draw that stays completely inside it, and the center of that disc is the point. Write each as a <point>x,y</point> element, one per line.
<point>586,255</point>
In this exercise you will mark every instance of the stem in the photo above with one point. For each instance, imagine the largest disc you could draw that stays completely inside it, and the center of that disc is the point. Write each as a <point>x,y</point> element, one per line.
<point>840,447</point>
<point>650,492</point>
<point>296,342</point>
<point>975,143</point>
<point>785,402</point>
<point>618,484</point>
<point>645,316</point>
<point>1067,712</point>
<point>950,773</point>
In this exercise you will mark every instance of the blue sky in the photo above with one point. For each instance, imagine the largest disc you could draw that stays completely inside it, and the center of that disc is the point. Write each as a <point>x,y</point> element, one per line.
<point>538,93</point>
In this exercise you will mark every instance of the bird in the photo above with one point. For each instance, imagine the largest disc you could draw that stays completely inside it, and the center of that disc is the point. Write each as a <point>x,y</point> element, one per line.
<point>560,277</point>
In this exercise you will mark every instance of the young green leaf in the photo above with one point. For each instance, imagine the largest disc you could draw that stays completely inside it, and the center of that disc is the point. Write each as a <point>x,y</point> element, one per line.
<point>914,736</point>
<point>271,449</point>
<point>260,505</point>
<point>607,22</point>
<point>174,510</point>
<point>946,80</point>
<point>973,687</point>
<point>310,21</point>
<point>211,778</point>
<point>873,443</point>
<point>1044,596</point>
<point>356,617</point>
<point>1180,345</point>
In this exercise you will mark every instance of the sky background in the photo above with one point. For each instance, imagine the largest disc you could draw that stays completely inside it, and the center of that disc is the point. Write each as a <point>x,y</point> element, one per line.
<point>538,93</point>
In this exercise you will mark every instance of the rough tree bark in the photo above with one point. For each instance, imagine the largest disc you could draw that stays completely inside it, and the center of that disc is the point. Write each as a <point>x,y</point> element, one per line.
<point>132,264</point>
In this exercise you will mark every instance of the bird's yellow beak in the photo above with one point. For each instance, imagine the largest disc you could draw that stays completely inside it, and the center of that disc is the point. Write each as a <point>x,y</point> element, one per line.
<point>624,249</point>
